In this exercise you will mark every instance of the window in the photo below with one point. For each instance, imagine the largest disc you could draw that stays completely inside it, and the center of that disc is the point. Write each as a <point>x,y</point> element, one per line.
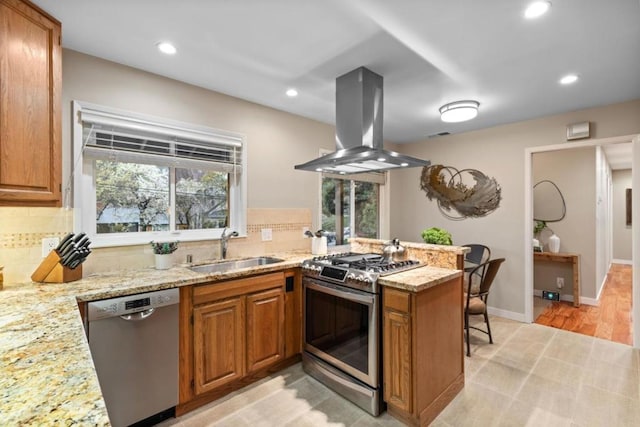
<point>351,206</point>
<point>145,178</point>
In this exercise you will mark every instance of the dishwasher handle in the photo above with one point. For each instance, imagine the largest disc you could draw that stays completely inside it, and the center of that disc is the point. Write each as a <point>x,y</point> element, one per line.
<point>138,315</point>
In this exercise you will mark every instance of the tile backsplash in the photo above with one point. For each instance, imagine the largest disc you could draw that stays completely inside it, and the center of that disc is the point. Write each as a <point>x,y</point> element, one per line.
<point>21,233</point>
<point>22,230</point>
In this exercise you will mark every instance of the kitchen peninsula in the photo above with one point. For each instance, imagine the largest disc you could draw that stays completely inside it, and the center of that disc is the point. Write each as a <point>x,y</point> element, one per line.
<point>48,375</point>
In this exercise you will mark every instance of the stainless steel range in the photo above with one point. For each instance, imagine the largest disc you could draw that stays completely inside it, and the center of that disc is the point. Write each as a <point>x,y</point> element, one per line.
<point>342,318</point>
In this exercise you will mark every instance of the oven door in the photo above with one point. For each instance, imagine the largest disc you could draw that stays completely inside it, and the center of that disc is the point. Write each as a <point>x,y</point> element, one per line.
<point>341,327</point>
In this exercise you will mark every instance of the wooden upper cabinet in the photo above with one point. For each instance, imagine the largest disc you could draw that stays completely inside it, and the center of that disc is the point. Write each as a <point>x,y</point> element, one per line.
<point>30,86</point>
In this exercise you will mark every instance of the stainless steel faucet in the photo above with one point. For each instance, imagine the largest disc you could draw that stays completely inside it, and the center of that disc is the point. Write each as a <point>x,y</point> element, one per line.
<point>224,238</point>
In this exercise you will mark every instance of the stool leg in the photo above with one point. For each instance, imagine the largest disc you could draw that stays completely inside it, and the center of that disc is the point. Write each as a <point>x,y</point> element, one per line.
<point>466,328</point>
<point>486,320</point>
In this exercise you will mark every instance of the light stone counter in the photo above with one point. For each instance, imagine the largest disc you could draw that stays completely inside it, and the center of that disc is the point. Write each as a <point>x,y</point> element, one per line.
<point>47,375</point>
<point>419,279</point>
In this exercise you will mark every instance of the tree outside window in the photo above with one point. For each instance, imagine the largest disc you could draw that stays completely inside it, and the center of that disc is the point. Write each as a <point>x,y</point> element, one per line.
<point>349,208</point>
<point>132,197</point>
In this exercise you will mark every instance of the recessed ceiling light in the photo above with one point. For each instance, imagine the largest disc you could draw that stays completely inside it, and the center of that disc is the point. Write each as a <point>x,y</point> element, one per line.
<point>382,159</point>
<point>292,93</point>
<point>537,9</point>
<point>568,79</point>
<point>404,165</point>
<point>459,111</point>
<point>166,47</point>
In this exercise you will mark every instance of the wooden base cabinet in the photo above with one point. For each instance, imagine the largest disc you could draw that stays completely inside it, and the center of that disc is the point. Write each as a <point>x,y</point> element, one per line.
<point>265,328</point>
<point>218,330</point>
<point>423,355</point>
<point>233,333</point>
<point>30,104</point>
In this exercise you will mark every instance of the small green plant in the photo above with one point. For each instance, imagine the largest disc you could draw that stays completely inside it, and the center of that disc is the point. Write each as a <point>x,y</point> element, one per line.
<point>164,248</point>
<point>538,227</point>
<point>437,236</point>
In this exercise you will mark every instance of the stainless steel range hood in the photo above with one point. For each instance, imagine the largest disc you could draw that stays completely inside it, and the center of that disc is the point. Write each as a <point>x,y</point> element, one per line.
<point>359,106</point>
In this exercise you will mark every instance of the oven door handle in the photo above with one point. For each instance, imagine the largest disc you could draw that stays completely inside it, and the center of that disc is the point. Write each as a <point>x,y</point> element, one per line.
<point>328,289</point>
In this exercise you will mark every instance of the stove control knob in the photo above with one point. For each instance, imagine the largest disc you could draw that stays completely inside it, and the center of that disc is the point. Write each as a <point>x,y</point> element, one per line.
<point>367,280</point>
<point>360,278</point>
<point>351,276</point>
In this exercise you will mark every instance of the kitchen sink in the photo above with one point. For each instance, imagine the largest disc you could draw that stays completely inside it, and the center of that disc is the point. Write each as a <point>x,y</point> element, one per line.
<point>224,266</point>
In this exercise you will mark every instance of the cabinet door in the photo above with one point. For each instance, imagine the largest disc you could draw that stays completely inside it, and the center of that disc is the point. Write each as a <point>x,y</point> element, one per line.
<point>397,359</point>
<point>265,328</point>
<point>30,82</point>
<point>218,346</point>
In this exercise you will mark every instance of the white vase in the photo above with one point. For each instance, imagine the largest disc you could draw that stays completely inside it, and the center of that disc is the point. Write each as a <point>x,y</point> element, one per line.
<point>554,244</point>
<point>163,261</point>
<point>319,245</point>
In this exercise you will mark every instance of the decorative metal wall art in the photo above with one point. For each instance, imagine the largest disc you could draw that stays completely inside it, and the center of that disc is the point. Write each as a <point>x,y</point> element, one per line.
<point>453,191</point>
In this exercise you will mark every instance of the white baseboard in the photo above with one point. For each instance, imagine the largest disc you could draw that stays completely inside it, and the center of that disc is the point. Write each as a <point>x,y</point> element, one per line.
<point>511,315</point>
<point>588,301</point>
<point>569,298</point>
<point>622,261</point>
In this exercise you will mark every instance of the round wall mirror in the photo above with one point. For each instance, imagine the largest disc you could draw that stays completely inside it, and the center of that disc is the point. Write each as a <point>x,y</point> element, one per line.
<point>548,202</point>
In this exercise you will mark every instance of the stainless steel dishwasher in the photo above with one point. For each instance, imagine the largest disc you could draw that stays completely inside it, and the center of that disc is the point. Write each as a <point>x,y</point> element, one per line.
<point>134,345</point>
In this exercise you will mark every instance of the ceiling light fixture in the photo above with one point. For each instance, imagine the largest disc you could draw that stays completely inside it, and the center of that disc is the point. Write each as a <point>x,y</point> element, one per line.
<point>568,79</point>
<point>459,111</point>
<point>166,48</point>
<point>537,9</point>
<point>292,93</point>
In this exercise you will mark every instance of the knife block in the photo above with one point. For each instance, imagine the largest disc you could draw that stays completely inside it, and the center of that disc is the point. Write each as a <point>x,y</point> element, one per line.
<point>51,271</point>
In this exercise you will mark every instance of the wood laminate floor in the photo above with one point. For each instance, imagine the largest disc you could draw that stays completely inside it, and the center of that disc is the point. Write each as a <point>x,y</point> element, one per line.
<point>610,320</point>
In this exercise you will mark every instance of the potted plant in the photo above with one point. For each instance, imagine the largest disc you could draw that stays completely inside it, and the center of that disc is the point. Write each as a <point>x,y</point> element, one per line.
<point>162,252</point>
<point>437,236</point>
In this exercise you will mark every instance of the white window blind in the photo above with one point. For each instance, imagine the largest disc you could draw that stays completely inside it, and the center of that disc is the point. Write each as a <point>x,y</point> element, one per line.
<point>110,136</point>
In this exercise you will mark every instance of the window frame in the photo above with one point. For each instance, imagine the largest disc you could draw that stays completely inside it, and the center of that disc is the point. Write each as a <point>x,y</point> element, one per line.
<point>383,202</point>
<point>84,194</point>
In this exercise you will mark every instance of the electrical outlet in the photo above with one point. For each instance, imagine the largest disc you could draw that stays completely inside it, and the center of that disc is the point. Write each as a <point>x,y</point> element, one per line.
<point>267,235</point>
<point>49,244</point>
<point>304,230</point>
<point>560,282</point>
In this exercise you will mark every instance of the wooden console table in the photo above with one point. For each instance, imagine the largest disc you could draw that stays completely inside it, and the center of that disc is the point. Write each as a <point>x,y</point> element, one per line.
<point>574,259</point>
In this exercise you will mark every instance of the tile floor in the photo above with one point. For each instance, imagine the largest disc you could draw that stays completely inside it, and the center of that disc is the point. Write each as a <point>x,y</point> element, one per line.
<point>532,375</point>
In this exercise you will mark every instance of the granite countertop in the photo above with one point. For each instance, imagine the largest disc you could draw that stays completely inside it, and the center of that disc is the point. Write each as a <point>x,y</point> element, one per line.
<point>47,375</point>
<point>419,279</point>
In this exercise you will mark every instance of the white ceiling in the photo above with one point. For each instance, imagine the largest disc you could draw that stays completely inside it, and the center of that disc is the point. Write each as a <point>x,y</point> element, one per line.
<point>618,155</point>
<point>429,52</point>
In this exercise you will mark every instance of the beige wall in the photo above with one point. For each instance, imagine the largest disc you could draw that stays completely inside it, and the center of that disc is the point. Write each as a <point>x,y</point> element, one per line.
<point>498,152</point>
<point>279,197</point>
<point>574,172</point>
<point>276,140</point>
<point>621,231</point>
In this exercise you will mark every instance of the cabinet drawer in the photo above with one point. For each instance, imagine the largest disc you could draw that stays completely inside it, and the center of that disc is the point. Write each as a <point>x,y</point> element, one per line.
<point>227,289</point>
<point>397,300</point>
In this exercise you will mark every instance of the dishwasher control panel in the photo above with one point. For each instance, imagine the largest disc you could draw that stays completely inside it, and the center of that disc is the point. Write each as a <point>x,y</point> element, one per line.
<point>131,304</point>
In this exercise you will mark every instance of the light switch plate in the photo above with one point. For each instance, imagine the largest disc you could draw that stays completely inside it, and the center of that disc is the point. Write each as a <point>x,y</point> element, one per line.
<point>267,235</point>
<point>49,244</point>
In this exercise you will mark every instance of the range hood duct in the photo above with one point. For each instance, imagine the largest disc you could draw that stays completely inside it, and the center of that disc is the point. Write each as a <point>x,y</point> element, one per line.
<point>359,106</point>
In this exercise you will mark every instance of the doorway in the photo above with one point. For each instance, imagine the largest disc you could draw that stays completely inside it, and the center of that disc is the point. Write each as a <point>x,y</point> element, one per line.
<point>604,252</point>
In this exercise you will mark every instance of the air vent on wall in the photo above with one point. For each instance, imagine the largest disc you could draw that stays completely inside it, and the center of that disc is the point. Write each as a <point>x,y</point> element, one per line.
<point>435,135</point>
